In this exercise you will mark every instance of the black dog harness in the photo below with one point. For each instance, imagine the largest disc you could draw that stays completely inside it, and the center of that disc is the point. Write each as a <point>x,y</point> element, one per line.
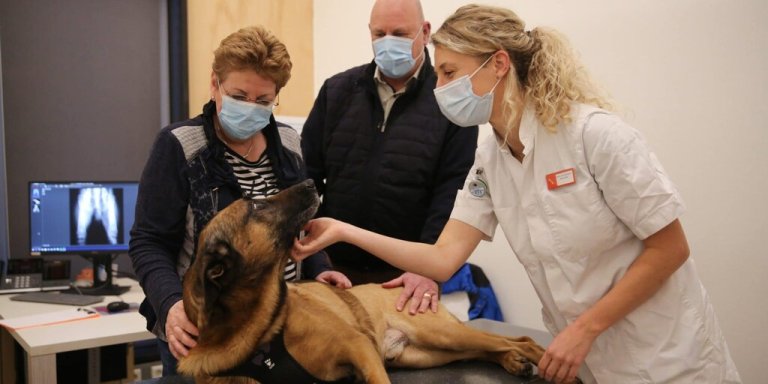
<point>271,362</point>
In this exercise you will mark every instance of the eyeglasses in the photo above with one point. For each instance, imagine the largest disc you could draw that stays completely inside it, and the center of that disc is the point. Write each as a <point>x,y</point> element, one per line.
<point>244,98</point>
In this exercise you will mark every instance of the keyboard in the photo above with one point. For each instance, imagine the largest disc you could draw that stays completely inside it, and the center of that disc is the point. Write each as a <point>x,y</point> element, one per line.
<point>58,298</point>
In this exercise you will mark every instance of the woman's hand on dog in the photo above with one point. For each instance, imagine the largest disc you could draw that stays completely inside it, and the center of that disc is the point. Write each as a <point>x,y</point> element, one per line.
<point>179,331</point>
<point>335,278</point>
<point>421,291</point>
<point>320,233</point>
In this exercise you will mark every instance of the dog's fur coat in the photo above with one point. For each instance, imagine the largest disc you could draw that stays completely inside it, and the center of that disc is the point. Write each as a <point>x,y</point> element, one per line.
<point>232,292</point>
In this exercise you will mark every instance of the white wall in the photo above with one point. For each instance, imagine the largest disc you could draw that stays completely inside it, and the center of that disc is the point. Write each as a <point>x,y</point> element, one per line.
<point>692,75</point>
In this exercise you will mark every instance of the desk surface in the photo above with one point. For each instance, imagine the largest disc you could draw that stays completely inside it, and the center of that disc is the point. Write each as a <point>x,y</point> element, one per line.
<point>108,329</point>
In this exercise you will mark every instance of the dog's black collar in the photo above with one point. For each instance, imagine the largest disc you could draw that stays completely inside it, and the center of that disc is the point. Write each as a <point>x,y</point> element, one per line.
<point>280,301</point>
<point>281,296</point>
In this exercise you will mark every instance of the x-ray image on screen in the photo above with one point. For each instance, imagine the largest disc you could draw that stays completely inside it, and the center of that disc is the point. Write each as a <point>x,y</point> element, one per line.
<point>96,214</point>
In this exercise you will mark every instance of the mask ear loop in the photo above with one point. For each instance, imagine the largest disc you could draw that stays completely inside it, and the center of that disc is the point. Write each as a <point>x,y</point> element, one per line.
<point>482,65</point>
<point>218,87</point>
<point>506,134</point>
<point>218,83</point>
<point>479,68</point>
<point>217,124</point>
<point>421,30</point>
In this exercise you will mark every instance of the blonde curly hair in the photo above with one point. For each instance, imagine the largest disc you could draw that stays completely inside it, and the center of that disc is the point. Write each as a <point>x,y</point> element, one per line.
<point>548,70</point>
<point>253,48</point>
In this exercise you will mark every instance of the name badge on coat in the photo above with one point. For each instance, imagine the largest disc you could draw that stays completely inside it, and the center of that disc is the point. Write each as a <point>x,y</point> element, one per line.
<point>561,179</point>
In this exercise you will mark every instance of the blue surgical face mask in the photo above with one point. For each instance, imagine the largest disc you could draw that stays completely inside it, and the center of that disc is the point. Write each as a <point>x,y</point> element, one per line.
<point>241,119</point>
<point>458,102</point>
<point>394,55</point>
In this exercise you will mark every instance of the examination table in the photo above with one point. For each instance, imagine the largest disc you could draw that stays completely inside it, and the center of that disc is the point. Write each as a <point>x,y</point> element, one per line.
<point>462,372</point>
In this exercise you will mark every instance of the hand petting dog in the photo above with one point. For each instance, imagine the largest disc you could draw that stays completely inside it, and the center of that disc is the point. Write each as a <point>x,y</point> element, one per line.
<point>334,278</point>
<point>319,234</point>
<point>421,291</point>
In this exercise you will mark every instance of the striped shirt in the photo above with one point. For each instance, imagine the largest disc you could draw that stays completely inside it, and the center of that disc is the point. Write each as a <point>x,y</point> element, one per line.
<point>257,181</point>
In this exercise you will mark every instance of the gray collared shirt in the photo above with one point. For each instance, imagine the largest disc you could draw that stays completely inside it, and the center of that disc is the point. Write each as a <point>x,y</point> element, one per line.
<point>387,95</point>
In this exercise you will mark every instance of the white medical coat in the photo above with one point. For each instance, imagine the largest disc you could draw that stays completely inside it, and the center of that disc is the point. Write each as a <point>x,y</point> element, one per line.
<point>576,241</point>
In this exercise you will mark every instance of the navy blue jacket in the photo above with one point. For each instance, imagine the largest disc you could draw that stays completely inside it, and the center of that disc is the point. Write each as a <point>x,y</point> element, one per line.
<point>185,182</point>
<point>398,179</point>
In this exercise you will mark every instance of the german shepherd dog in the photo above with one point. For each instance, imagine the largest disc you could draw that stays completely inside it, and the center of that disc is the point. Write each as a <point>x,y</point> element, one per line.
<point>255,327</point>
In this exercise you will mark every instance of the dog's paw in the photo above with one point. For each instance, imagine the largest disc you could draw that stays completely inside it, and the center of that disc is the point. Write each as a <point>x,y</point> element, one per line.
<point>527,371</point>
<point>517,365</point>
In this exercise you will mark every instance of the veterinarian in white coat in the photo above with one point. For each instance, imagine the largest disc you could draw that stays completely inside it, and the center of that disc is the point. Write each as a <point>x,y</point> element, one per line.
<point>583,202</point>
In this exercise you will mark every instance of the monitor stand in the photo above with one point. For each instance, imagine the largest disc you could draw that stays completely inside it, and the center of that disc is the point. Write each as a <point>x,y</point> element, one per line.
<point>102,278</point>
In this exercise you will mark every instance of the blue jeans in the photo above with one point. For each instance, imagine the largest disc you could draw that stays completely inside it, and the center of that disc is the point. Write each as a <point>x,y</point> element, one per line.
<point>166,357</point>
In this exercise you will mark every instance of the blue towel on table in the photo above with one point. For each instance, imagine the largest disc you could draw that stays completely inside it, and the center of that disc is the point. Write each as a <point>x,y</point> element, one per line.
<point>482,301</point>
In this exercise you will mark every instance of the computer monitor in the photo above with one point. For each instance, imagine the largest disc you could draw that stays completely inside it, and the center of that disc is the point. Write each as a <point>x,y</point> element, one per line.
<point>87,218</point>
